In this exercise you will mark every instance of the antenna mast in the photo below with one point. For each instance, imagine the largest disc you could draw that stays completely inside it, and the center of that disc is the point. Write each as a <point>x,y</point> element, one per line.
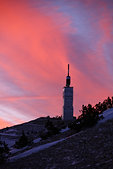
<point>68,79</point>
<point>68,69</point>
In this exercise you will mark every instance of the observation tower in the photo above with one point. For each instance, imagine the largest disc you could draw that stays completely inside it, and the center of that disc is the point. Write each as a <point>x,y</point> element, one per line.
<point>68,100</point>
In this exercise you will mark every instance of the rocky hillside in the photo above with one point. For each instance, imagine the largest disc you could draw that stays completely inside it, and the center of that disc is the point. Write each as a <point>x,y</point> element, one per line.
<point>91,148</point>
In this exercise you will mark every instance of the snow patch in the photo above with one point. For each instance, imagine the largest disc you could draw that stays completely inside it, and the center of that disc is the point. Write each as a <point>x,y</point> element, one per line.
<point>9,142</point>
<point>64,130</point>
<point>14,150</point>
<point>37,140</point>
<point>11,130</point>
<point>108,114</point>
<point>39,148</point>
<point>8,134</point>
<point>35,150</point>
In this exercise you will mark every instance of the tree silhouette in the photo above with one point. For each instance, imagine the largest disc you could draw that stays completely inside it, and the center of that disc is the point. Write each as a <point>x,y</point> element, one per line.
<point>90,115</point>
<point>22,142</point>
<point>4,152</point>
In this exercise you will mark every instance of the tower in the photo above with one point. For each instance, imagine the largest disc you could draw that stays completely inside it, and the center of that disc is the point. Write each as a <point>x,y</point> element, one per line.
<point>68,99</point>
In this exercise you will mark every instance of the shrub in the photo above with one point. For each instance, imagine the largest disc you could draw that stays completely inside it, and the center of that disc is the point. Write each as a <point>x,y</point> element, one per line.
<point>49,124</point>
<point>89,116</point>
<point>22,142</point>
<point>61,124</point>
<point>50,130</point>
<point>4,152</point>
<point>43,135</point>
<point>76,125</point>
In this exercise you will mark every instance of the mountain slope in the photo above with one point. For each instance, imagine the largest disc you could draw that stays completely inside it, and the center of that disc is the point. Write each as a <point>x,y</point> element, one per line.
<point>92,148</point>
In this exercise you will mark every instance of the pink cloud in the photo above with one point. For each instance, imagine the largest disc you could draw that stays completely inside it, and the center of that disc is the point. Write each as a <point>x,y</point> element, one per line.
<point>37,43</point>
<point>32,59</point>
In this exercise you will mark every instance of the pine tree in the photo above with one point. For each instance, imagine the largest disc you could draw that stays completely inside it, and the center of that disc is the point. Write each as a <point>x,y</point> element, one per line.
<point>4,152</point>
<point>23,141</point>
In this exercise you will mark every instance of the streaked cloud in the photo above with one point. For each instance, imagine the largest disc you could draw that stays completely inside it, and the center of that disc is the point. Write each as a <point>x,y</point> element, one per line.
<point>37,41</point>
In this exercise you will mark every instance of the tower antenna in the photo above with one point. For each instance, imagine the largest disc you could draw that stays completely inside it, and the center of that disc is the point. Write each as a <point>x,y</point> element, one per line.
<point>68,69</point>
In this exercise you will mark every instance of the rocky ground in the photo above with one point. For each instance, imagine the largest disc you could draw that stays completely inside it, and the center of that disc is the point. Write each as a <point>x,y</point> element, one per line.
<point>89,149</point>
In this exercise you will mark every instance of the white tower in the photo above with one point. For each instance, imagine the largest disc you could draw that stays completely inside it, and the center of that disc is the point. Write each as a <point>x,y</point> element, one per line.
<point>68,100</point>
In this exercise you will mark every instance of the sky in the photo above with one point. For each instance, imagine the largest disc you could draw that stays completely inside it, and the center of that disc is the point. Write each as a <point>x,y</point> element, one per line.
<point>37,41</point>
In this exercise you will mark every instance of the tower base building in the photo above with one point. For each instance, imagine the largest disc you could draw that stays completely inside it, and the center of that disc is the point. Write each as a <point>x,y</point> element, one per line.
<point>68,100</point>
<point>68,103</point>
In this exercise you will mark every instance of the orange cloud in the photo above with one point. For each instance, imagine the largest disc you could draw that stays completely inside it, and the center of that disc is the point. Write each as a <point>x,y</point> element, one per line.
<point>4,123</point>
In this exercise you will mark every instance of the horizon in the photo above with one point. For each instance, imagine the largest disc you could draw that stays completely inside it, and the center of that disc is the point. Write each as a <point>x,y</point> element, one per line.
<point>37,41</point>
